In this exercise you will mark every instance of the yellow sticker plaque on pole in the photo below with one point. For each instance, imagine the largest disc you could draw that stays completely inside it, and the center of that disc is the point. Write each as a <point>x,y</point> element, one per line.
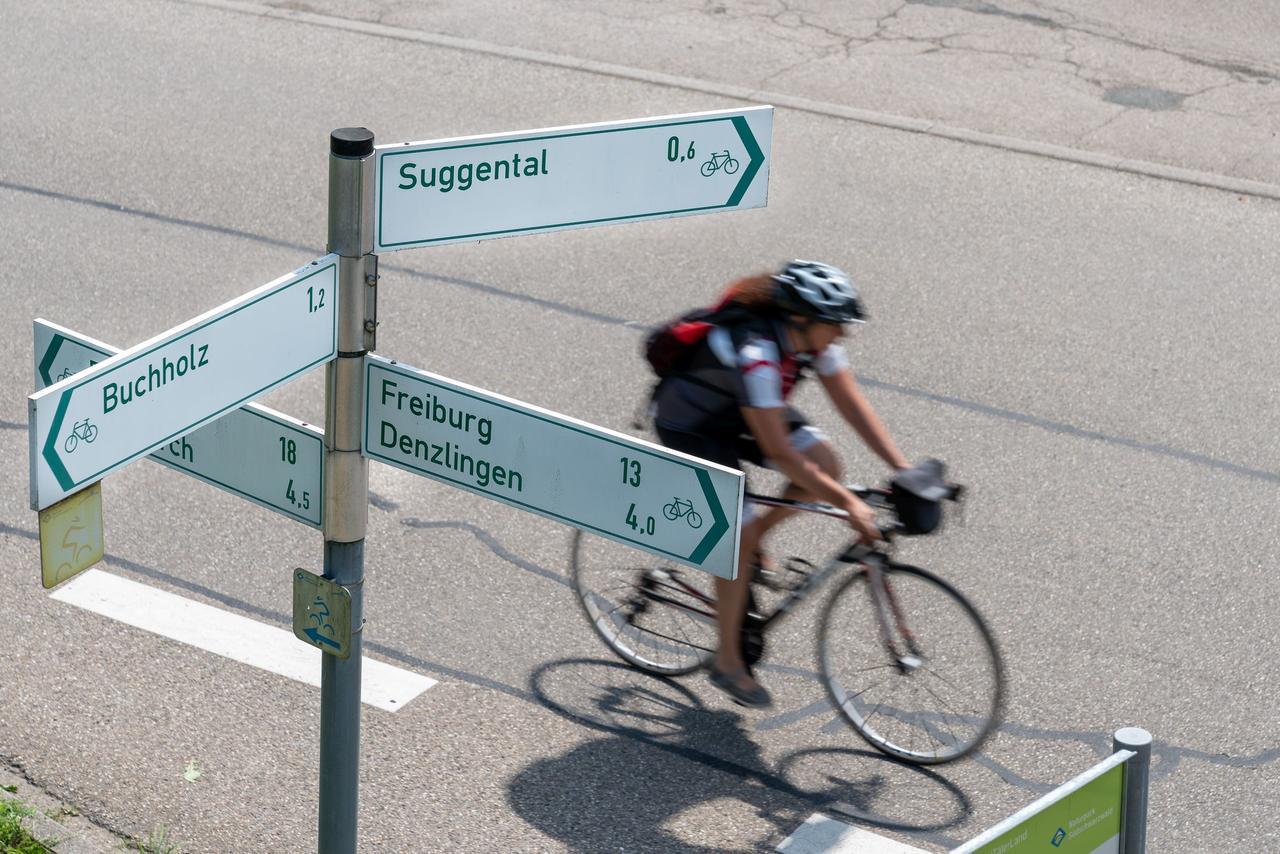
<point>322,613</point>
<point>71,535</point>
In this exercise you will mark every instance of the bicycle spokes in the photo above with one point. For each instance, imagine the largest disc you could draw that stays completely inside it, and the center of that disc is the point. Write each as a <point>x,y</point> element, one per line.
<point>655,617</point>
<point>910,664</point>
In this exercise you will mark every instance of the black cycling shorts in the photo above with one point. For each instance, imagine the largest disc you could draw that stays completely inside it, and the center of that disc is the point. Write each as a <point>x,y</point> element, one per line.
<point>731,449</point>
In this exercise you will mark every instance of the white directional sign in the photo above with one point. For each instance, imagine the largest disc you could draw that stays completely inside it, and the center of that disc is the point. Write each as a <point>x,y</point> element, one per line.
<point>477,187</point>
<point>683,508</point>
<point>90,424</point>
<point>253,452</point>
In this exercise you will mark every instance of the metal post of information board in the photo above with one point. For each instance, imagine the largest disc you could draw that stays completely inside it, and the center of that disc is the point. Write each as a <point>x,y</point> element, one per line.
<point>1137,772</point>
<point>346,480</point>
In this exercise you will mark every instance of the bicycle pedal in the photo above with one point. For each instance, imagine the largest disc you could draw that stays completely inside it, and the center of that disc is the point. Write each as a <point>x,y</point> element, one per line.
<point>800,568</point>
<point>767,578</point>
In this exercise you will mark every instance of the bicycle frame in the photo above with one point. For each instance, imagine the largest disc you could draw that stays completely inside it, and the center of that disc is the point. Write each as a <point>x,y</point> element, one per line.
<point>853,553</point>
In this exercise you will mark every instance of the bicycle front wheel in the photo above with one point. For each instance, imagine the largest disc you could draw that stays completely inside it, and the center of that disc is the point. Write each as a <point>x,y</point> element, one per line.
<point>917,672</point>
<point>651,613</point>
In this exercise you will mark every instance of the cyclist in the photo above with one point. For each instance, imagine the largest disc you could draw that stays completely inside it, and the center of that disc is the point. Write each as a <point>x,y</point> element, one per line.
<point>727,402</point>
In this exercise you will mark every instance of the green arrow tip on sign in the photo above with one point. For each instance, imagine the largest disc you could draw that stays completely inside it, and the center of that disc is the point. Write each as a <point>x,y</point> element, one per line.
<point>721,523</point>
<point>754,152</point>
<point>46,364</point>
<point>51,444</point>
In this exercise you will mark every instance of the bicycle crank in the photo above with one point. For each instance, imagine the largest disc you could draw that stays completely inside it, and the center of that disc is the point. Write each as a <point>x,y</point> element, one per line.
<point>752,633</point>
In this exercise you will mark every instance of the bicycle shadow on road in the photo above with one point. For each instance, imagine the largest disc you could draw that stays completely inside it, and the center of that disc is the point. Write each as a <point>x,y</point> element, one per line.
<point>669,764</point>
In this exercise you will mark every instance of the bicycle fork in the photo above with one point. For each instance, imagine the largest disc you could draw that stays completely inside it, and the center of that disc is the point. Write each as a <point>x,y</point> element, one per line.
<point>886,606</point>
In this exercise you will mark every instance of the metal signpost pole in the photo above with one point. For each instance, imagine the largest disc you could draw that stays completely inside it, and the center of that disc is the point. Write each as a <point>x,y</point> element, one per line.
<point>346,497</point>
<point>1137,772</point>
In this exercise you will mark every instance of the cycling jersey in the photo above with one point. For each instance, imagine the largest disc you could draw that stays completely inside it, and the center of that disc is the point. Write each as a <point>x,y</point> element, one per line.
<point>743,365</point>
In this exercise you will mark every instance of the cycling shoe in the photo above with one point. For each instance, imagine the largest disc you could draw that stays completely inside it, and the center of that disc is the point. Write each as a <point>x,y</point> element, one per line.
<point>755,698</point>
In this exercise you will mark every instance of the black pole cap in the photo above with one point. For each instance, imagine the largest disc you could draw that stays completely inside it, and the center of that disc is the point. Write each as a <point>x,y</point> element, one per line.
<point>351,142</point>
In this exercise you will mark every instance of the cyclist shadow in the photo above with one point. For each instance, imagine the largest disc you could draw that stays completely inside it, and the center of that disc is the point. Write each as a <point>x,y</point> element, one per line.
<point>670,769</point>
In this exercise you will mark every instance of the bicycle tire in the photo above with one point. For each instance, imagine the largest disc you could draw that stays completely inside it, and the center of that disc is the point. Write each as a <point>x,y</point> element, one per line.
<point>91,433</point>
<point>637,622</point>
<point>730,166</point>
<point>708,169</point>
<point>695,519</point>
<point>950,635</point>
<point>671,511</point>
<point>69,446</point>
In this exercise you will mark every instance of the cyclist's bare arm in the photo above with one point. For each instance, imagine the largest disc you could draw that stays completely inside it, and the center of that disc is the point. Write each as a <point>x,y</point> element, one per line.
<point>854,407</point>
<point>769,427</point>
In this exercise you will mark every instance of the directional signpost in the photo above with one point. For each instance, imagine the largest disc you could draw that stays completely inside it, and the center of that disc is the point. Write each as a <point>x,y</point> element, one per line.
<point>680,507</point>
<point>83,427</point>
<point>98,410</point>
<point>253,452</point>
<point>473,188</point>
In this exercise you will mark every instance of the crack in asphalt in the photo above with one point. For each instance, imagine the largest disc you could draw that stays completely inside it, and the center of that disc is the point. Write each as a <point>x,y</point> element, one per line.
<point>888,28</point>
<point>1239,70</point>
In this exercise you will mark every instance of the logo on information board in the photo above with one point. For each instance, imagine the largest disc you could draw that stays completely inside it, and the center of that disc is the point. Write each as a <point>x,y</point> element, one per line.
<point>1058,837</point>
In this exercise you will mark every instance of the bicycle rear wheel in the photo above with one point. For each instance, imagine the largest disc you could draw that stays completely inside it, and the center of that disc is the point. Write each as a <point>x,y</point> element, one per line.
<point>653,614</point>
<point>935,691</point>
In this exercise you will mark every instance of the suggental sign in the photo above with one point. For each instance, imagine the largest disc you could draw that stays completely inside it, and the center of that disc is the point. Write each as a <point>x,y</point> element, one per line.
<point>92,423</point>
<point>632,491</point>
<point>474,188</point>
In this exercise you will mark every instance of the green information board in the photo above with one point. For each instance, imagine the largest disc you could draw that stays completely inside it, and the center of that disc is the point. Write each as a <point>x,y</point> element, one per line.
<point>1080,817</point>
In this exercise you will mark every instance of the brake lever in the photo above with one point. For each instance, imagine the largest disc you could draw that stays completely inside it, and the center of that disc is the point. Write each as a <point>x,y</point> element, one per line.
<point>958,495</point>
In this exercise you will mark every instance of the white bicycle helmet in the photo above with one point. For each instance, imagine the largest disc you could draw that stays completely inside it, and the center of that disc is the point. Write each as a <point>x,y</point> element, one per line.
<point>819,291</point>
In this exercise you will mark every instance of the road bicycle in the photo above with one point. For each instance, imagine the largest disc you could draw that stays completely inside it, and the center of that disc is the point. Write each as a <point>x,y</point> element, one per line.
<point>680,507</point>
<point>80,430</point>
<point>720,160</point>
<point>906,659</point>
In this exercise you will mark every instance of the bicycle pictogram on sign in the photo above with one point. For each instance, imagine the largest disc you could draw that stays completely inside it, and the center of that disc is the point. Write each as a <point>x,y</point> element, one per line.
<point>80,430</point>
<point>721,160</point>
<point>681,507</point>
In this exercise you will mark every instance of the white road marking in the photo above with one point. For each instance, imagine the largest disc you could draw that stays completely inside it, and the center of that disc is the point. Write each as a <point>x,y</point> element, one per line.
<point>229,635</point>
<point>822,835</point>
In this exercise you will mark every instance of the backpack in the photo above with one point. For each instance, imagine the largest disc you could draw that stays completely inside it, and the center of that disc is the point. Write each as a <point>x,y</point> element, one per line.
<point>669,347</point>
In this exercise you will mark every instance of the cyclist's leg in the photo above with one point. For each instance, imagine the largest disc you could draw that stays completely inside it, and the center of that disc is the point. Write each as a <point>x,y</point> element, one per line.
<point>731,605</point>
<point>821,454</point>
<point>731,596</point>
<point>809,441</point>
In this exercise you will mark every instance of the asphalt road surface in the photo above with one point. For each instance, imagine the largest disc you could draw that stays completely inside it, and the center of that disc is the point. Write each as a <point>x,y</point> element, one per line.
<point>1091,350</point>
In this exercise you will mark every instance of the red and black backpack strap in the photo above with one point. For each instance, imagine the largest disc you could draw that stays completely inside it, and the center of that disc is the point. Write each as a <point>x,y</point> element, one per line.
<point>668,348</point>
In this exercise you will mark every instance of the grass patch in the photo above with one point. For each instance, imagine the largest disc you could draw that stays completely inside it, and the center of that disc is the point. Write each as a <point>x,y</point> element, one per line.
<point>13,838</point>
<point>157,842</point>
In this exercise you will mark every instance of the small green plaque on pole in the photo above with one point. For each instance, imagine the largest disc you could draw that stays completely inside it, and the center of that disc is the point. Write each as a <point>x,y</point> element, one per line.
<point>322,613</point>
